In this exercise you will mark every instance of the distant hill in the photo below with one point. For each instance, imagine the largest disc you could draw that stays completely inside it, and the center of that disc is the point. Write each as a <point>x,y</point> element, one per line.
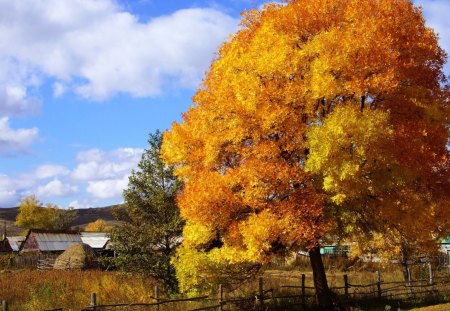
<point>87,215</point>
<point>84,216</point>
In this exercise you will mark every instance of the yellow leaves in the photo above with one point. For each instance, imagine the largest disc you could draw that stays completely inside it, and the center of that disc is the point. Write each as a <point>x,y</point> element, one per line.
<point>98,226</point>
<point>349,145</point>
<point>195,234</point>
<point>322,82</point>
<point>259,232</point>
<point>339,198</point>
<point>277,122</point>
<point>189,263</point>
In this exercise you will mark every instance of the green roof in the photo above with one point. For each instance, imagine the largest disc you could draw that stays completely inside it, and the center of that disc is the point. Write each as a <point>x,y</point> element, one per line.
<point>446,241</point>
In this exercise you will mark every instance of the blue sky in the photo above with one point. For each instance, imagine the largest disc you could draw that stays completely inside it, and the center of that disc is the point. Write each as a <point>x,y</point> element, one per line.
<point>83,82</point>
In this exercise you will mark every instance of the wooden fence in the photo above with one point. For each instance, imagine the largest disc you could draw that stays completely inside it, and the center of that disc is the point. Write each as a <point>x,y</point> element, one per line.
<point>34,261</point>
<point>299,295</point>
<point>47,262</point>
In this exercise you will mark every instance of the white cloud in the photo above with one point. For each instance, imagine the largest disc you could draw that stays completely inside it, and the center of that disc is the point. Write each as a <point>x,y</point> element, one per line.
<point>49,170</point>
<point>13,100</point>
<point>16,81</point>
<point>98,176</point>
<point>8,193</point>
<point>97,165</point>
<point>107,189</point>
<point>90,155</point>
<point>8,198</point>
<point>97,49</point>
<point>15,141</point>
<point>81,204</point>
<point>105,173</point>
<point>12,190</point>
<point>55,188</point>
<point>58,89</point>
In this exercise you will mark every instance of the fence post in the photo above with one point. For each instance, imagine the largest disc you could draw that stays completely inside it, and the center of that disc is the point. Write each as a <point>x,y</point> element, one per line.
<point>220,297</point>
<point>346,286</point>
<point>4,305</point>
<point>409,276</point>
<point>303,292</point>
<point>379,284</point>
<point>93,300</point>
<point>430,272</point>
<point>156,294</point>
<point>260,295</point>
<point>409,285</point>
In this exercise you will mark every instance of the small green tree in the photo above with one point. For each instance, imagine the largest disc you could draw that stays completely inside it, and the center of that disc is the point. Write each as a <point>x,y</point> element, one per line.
<point>151,225</point>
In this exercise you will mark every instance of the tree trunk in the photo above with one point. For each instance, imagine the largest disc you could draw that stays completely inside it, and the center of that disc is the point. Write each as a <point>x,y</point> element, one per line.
<point>405,269</point>
<point>323,293</point>
<point>407,275</point>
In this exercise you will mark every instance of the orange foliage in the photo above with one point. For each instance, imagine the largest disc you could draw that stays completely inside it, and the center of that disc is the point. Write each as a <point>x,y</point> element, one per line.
<point>267,160</point>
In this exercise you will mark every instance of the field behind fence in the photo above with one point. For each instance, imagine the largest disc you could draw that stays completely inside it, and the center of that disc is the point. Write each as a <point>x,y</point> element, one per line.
<point>278,292</point>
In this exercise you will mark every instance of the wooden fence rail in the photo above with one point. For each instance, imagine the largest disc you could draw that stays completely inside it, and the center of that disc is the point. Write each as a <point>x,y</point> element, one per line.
<point>378,289</point>
<point>34,261</point>
<point>302,293</point>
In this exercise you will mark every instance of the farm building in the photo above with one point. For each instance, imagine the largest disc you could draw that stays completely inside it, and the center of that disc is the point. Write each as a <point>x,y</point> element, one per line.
<point>49,241</point>
<point>445,249</point>
<point>5,247</point>
<point>98,241</point>
<point>445,246</point>
<point>15,242</point>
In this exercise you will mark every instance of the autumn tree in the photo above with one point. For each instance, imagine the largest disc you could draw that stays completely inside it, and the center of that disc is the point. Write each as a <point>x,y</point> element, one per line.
<point>98,226</point>
<point>34,215</point>
<point>390,209</point>
<point>151,226</point>
<point>317,118</point>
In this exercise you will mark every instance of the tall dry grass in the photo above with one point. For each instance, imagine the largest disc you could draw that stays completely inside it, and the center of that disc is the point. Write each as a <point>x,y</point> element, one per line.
<point>39,290</point>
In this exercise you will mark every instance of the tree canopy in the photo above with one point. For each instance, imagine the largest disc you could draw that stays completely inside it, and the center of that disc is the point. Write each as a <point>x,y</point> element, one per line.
<point>151,225</point>
<point>34,215</point>
<point>317,118</point>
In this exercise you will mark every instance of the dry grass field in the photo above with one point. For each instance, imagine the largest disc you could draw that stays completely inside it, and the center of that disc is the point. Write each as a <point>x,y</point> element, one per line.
<point>441,307</point>
<point>40,290</point>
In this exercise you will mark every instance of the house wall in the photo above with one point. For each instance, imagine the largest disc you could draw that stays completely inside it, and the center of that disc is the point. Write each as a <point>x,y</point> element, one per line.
<point>445,247</point>
<point>30,245</point>
<point>5,247</point>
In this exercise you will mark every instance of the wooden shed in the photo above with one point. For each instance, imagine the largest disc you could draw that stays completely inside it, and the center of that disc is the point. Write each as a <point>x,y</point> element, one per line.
<point>5,247</point>
<point>49,241</point>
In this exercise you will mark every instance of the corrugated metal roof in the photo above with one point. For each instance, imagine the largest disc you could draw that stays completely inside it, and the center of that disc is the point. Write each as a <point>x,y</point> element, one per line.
<point>15,242</point>
<point>96,240</point>
<point>49,242</point>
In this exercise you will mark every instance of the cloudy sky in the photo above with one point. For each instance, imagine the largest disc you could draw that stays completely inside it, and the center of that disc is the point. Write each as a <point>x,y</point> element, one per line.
<point>83,82</point>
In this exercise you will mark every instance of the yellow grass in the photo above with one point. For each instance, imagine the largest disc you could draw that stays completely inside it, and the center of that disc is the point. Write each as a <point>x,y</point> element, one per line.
<point>442,307</point>
<point>39,290</point>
